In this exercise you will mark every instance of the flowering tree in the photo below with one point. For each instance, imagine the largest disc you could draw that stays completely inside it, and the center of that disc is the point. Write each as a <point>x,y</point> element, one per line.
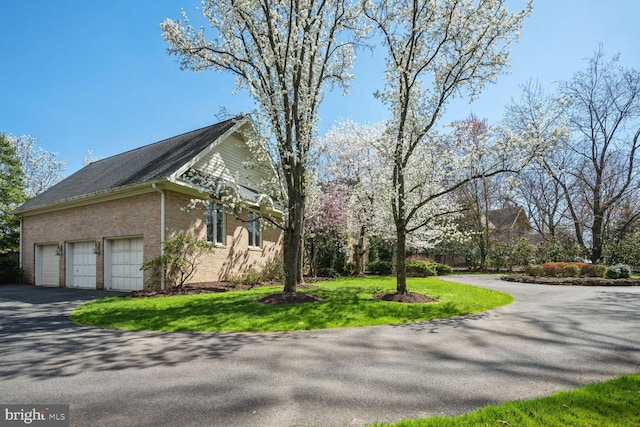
<point>436,49</point>
<point>287,53</point>
<point>537,115</point>
<point>358,172</point>
<point>41,168</point>
<point>478,197</point>
<point>359,165</point>
<point>326,221</point>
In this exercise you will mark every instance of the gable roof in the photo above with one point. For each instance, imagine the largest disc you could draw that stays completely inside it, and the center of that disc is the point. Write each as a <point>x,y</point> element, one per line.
<point>505,218</point>
<point>145,164</point>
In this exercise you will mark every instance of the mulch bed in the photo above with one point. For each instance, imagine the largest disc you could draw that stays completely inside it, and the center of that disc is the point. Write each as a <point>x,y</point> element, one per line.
<point>409,298</point>
<point>204,288</point>
<point>276,298</point>
<point>289,298</point>
<point>572,281</point>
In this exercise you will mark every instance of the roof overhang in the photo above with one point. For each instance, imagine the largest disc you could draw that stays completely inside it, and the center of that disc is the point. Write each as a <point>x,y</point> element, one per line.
<point>92,198</point>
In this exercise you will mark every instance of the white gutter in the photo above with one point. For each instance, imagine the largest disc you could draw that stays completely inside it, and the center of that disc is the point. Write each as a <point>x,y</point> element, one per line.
<point>162,230</point>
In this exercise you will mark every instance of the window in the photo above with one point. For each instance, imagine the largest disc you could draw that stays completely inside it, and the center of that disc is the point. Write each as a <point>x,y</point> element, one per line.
<point>215,223</point>
<point>253,226</point>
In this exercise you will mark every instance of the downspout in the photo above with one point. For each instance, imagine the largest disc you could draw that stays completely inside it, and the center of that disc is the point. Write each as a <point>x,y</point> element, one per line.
<point>162,230</point>
<point>20,247</point>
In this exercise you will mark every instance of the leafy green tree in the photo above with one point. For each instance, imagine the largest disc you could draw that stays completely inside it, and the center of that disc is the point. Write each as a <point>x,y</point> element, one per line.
<point>623,250</point>
<point>12,194</point>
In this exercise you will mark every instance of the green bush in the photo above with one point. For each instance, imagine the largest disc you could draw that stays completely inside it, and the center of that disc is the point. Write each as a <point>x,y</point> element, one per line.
<point>420,269</point>
<point>349,269</point>
<point>251,278</point>
<point>327,272</point>
<point>441,269</point>
<point>571,270</point>
<point>181,257</point>
<point>10,270</point>
<point>380,268</point>
<point>273,271</point>
<point>619,271</point>
<point>593,270</point>
<point>535,271</point>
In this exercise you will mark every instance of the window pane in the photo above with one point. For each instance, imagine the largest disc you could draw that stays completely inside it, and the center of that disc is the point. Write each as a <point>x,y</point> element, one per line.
<point>219,224</point>
<point>256,229</point>
<point>250,228</point>
<point>210,229</point>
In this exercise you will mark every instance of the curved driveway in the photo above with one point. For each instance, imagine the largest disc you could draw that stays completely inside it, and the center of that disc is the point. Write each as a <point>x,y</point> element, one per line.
<point>551,338</point>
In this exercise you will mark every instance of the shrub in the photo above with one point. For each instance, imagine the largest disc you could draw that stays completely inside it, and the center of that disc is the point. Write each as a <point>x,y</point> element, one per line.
<point>571,270</point>
<point>350,268</point>
<point>380,268</point>
<point>10,270</point>
<point>535,271</point>
<point>180,260</point>
<point>419,269</point>
<point>619,271</point>
<point>441,269</point>
<point>251,278</point>
<point>327,272</point>
<point>553,269</point>
<point>593,270</point>
<point>273,271</point>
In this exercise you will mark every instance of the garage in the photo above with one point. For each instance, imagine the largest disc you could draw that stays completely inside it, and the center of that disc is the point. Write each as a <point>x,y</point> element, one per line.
<point>123,259</point>
<point>47,265</point>
<point>81,265</point>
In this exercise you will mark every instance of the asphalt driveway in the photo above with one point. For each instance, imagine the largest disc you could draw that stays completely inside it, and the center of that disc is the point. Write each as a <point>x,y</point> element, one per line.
<point>551,338</point>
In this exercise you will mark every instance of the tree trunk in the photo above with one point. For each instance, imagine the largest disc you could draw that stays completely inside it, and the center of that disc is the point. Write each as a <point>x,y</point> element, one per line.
<point>293,241</point>
<point>360,251</point>
<point>597,242</point>
<point>401,257</point>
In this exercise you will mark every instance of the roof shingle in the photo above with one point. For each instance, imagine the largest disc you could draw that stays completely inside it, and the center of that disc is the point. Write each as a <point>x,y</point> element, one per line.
<point>145,164</point>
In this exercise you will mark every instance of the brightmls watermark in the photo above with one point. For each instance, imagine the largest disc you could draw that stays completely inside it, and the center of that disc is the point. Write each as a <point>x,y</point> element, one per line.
<point>34,415</point>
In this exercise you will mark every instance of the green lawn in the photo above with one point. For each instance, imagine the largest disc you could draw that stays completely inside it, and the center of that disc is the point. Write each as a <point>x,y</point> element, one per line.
<point>348,302</point>
<point>612,403</point>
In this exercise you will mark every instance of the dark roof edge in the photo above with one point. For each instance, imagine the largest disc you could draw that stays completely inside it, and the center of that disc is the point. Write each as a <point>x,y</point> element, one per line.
<point>88,197</point>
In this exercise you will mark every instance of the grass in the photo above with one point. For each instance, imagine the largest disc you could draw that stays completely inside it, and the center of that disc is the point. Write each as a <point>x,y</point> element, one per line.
<point>612,403</point>
<point>348,302</point>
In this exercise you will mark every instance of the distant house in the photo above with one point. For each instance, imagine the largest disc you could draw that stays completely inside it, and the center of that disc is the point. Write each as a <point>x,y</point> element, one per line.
<point>95,228</point>
<point>509,222</point>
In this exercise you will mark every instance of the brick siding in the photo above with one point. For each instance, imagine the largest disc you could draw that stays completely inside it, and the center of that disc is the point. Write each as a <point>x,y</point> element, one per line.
<point>139,216</point>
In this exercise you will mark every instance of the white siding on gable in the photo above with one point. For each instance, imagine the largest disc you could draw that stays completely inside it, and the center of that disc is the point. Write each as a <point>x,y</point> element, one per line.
<point>227,160</point>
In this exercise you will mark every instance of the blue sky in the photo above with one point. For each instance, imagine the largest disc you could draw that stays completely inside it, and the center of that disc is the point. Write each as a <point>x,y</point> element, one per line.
<point>81,75</point>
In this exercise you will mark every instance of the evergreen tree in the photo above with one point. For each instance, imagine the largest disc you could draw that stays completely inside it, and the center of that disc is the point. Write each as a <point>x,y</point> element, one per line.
<point>12,194</point>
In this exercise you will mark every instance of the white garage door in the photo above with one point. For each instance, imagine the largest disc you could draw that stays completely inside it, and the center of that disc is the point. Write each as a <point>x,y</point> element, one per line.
<point>47,265</point>
<point>81,271</point>
<point>124,264</point>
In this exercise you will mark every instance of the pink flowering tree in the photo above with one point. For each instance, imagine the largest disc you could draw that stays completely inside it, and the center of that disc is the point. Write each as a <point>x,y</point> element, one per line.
<point>325,226</point>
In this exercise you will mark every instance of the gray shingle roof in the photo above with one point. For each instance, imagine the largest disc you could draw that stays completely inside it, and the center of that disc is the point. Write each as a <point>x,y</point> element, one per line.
<point>145,164</point>
<point>503,219</point>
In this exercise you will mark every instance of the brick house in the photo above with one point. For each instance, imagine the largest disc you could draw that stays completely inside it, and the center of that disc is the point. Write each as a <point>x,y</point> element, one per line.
<point>95,228</point>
